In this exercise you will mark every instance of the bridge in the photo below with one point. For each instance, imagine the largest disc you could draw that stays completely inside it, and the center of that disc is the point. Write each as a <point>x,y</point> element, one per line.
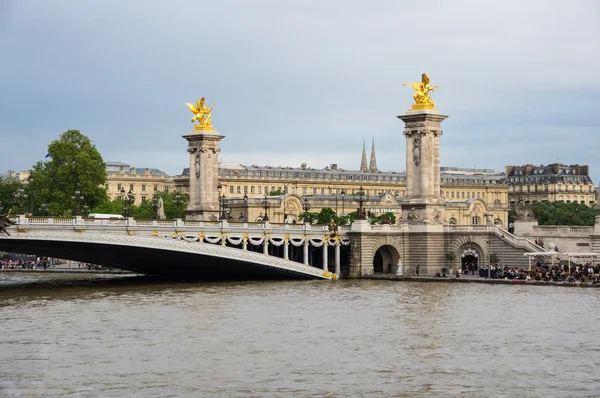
<point>177,248</point>
<point>223,250</point>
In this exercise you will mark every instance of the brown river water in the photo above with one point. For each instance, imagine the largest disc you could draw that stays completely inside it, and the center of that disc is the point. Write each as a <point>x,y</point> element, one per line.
<point>88,336</point>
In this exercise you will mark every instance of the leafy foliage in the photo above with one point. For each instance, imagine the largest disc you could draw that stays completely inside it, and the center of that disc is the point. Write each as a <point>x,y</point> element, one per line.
<point>8,188</point>
<point>276,192</point>
<point>75,164</point>
<point>450,256</point>
<point>564,213</point>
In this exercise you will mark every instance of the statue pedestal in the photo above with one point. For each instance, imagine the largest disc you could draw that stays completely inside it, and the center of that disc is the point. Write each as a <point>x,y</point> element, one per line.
<point>203,147</point>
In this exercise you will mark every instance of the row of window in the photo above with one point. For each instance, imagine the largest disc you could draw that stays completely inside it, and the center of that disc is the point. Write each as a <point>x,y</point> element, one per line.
<point>528,188</point>
<point>132,186</point>
<point>290,174</point>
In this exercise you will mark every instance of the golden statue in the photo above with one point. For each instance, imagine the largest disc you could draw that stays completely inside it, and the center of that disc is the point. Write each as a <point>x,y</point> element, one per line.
<point>422,89</point>
<point>203,116</point>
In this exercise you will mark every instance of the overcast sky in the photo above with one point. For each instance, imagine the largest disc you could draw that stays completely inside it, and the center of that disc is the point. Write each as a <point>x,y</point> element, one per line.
<point>301,81</point>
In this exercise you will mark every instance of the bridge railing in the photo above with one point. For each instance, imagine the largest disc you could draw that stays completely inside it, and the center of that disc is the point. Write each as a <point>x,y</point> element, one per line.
<point>176,224</point>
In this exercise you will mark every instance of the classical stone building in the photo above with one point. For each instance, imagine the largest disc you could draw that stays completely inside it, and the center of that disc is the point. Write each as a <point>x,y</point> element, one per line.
<point>554,183</point>
<point>142,182</point>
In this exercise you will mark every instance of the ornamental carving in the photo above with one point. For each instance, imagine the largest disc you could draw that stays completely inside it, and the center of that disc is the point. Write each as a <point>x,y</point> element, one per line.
<point>197,161</point>
<point>417,149</point>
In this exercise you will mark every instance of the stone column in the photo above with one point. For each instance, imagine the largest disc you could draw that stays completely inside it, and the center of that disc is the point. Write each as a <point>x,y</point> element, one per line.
<point>325,265</point>
<point>266,246</point>
<point>286,250</point>
<point>338,266</point>
<point>423,208</point>
<point>203,147</point>
<point>306,243</point>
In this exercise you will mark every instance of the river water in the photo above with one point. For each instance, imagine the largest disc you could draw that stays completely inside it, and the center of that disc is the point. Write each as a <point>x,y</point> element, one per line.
<point>134,337</point>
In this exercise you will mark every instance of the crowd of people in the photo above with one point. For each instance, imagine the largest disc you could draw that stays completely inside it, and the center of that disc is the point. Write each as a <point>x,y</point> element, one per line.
<point>42,263</point>
<point>548,273</point>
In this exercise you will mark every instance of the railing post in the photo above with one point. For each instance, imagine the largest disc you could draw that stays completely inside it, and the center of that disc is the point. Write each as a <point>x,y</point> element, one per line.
<point>245,243</point>
<point>286,249</point>
<point>266,246</point>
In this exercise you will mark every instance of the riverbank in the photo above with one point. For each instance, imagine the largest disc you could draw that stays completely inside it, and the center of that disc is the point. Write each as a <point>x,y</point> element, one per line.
<point>476,279</point>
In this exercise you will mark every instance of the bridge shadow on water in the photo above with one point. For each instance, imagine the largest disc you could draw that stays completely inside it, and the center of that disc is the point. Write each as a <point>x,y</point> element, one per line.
<point>57,286</point>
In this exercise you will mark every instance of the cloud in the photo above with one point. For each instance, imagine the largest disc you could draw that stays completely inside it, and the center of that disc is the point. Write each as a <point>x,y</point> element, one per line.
<point>301,81</point>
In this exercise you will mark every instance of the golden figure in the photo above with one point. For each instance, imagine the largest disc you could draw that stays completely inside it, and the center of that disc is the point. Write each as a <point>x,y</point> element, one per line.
<point>422,89</point>
<point>203,116</point>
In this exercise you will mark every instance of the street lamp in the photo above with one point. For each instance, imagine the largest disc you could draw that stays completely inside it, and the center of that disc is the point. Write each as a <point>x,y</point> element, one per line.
<point>306,208</point>
<point>266,207</point>
<point>361,199</point>
<point>19,196</point>
<point>124,209</point>
<point>86,210</point>
<point>77,198</point>
<point>43,209</point>
<point>343,197</point>
<point>178,201</point>
<point>155,207</point>
<point>222,207</point>
<point>31,178</point>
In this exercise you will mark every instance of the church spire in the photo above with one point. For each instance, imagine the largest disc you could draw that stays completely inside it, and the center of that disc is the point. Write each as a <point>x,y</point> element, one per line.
<point>363,162</point>
<point>373,162</point>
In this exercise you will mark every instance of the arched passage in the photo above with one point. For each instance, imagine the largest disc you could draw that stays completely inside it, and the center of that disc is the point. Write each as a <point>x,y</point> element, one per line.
<point>470,259</point>
<point>386,260</point>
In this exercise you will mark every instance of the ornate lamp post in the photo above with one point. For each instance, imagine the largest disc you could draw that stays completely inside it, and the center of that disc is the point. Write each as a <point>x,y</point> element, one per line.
<point>155,206</point>
<point>222,207</point>
<point>123,202</point>
<point>43,210</point>
<point>130,201</point>
<point>86,210</point>
<point>219,189</point>
<point>361,199</point>
<point>305,207</point>
<point>19,196</point>
<point>77,198</point>
<point>178,201</point>
<point>343,197</point>
<point>266,207</point>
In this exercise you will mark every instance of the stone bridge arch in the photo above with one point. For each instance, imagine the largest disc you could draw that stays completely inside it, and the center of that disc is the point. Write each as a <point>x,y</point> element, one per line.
<point>385,251</point>
<point>470,249</point>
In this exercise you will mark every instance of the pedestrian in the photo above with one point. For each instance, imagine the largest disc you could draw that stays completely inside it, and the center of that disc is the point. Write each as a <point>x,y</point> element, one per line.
<point>417,269</point>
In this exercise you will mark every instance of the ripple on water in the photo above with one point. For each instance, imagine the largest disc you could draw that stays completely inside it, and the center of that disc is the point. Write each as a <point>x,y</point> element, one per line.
<point>348,338</point>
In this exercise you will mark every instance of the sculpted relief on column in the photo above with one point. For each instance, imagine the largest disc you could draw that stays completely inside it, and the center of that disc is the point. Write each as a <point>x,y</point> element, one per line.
<point>416,149</point>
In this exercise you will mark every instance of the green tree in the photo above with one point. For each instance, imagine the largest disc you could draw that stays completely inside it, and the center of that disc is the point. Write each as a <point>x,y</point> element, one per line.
<point>308,217</point>
<point>74,165</point>
<point>326,215</point>
<point>385,218</point>
<point>8,187</point>
<point>276,192</point>
<point>114,206</point>
<point>169,203</point>
<point>562,213</point>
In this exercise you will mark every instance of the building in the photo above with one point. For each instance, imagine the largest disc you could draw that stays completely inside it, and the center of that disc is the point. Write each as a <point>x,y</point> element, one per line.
<point>554,183</point>
<point>142,182</point>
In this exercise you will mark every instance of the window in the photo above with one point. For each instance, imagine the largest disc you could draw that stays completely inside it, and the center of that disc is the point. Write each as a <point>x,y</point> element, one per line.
<point>143,198</point>
<point>463,194</point>
<point>239,189</point>
<point>303,191</point>
<point>131,187</point>
<point>266,190</point>
<point>166,188</point>
<point>322,191</point>
<point>452,221</point>
<point>252,189</point>
<point>452,194</point>
<point>245,189</point>
<point>143,187</point>
<point>259,189</point>
<point>231,189</point>
<point>119,187</point>
<point>155,188</point>
<point>314,191</point>
<point>475,220</point>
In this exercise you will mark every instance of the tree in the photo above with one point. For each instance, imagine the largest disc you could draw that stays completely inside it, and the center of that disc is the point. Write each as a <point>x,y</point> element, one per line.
<point>561,213</point>
<point>494,258</point>
<point>75,165</point>
<point>326,215</point>
<point>276,192</point>
<point>8,187</point>
<point>308,217</point>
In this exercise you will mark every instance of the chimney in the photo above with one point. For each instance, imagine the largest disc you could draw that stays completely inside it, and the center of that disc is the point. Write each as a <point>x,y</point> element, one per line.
<point>303,166</point>
<point>333,166</point>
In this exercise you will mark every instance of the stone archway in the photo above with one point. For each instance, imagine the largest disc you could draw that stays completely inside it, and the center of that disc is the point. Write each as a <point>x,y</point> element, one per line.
<point>292,208</point>
<point>386,260</point>
<point>470,260</point>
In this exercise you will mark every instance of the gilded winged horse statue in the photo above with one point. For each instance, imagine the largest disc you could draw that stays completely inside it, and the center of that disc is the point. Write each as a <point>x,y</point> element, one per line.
<point>422,89</point>
<point>202,114</point>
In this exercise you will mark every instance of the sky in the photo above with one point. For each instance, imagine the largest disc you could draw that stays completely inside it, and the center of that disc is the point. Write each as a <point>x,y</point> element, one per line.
<point>301,81</point>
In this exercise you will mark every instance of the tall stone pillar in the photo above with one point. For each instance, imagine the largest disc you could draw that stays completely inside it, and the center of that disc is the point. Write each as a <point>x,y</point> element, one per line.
<point>203,147</point>
<point>423,207</point>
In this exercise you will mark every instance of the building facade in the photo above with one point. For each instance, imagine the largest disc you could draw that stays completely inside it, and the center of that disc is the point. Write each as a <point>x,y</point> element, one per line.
<point>554,183</point>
